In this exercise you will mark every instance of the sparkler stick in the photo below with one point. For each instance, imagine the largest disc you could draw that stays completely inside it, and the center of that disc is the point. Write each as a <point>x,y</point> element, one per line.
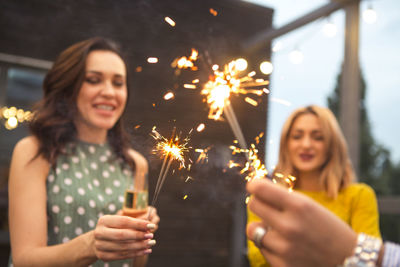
<point>171,149</point>
<point>233,122</point>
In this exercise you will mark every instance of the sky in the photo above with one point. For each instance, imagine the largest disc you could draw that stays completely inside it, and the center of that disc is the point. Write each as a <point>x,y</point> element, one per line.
<point>313,80</point>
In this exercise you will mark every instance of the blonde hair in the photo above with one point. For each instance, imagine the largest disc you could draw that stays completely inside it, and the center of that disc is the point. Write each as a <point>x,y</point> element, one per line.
<point>337,172</point>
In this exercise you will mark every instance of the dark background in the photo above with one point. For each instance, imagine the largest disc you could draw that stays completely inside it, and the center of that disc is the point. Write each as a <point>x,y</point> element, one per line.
<point>207,228</point>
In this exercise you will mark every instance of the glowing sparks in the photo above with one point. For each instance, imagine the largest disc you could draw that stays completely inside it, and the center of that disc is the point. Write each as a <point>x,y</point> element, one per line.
<point>201,127</point>
<point>189,86</point>
<point>169,95</point>
<point>287,181</point>
<point>152,60</point>
<point>224,83</point>
<point>185,63</point>
<point>185,197</point>
<point>253,168</point>
<point>170,21</point>
<point>213,12</point>
<point>169,149</point>
<point>174,147</point>
<point>251,101</point>
<point>203,157</point>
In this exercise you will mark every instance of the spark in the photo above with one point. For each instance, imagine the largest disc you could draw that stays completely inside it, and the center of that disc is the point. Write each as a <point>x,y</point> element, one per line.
<point>203,157</point>
<point>185,197</point>
<point>174,147</point>
<point>213,12</point>
<point>170,21</point>
<point>201,127</point>
<point>189,86</point>
<point>169,95</point>
<point>186,62</point>
<point>152,60</point>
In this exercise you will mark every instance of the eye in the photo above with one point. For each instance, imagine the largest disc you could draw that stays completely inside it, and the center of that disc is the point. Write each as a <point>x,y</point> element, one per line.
<point>118,83</point>
<point>296,136</point>
<point>319,138</point>
<point>92,79</point>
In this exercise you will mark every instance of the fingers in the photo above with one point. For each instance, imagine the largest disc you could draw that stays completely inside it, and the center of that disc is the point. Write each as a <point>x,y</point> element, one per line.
<point>124,222</point>
<point>121,237</point>
<point>115,234</point>
<point>271,243</point>
<point>120,255</point>
<point>270,216</point>
<point>273,195</point>
<point>124,246</point>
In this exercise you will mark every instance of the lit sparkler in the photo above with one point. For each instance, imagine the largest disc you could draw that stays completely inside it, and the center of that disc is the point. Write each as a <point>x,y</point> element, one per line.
<point>185,63</point>
<point>225,83</point>
<point>170,149</point>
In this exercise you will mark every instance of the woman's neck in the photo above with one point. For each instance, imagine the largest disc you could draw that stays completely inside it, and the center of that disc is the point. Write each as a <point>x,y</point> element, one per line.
<point>309,181</point>
<point>94,136</point>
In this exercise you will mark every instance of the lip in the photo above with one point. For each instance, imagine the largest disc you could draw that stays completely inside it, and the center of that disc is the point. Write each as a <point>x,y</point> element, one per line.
<point>105,112</point>
<point>306,157</point>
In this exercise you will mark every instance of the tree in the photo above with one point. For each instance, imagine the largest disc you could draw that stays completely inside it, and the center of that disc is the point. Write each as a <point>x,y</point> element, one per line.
<point>376,166</point>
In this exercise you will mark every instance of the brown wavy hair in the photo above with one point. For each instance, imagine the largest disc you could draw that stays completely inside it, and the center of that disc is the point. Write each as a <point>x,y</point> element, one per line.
<point>52,123</point>
<point>337,171</point>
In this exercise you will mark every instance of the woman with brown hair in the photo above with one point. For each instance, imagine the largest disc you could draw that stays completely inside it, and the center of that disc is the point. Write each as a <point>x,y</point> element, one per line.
<point>313,149</point>
<point>67,180</point>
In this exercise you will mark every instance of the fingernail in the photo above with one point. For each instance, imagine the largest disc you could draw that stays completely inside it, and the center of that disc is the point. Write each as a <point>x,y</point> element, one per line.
<point>147,251</point>
<point>149,235</point>
<point>151,242</point>
<point>151,226</point>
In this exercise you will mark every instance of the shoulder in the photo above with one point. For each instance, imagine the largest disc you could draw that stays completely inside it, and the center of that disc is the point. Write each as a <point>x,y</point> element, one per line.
<point>25,160</point>
<point>361,190</point>
<point>27,147</point>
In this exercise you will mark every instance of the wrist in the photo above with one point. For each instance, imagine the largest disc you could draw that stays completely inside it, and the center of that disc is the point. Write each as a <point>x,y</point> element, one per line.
<point>88,255</point>
<point>365,253</point>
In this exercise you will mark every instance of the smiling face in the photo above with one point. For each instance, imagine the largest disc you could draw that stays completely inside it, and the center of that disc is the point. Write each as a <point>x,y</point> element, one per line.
<point>306,146</point>
<point>102,96</point>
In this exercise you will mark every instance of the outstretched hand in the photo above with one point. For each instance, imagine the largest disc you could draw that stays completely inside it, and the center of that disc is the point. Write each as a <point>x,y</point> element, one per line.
<point>300,231</point>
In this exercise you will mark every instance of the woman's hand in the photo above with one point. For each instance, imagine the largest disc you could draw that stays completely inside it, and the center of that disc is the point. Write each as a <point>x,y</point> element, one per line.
<point>121,237</point>
<point>300,232</point>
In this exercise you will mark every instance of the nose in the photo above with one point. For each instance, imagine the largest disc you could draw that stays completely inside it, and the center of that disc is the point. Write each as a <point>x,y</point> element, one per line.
<point>108,89</point>
<point>306,141</point>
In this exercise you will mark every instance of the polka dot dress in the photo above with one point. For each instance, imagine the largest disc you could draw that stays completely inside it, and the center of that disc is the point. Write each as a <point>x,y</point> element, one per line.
<point>85,185</point>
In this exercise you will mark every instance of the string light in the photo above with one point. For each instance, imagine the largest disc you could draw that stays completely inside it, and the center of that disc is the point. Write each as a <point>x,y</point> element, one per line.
<point>266,67</point>
<point>277,46</point>
<point>14,116</point>
<point>369,15</point>
<point>330,28</point>
<point>296,56</point>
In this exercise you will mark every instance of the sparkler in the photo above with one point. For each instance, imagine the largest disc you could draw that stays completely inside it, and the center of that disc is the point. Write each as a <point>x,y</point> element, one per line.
<point>170,149</point>
<point>222,85</point>
<point>255,169</point>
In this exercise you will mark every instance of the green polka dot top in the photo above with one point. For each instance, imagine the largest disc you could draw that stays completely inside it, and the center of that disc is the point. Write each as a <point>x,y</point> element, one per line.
<point>85,184</point>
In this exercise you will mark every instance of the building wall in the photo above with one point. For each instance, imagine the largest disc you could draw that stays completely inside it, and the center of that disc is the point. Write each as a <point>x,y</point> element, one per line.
<point>202,230</point>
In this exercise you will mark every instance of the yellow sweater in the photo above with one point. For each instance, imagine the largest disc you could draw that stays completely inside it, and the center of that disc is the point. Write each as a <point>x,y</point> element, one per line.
<point>356,205</point>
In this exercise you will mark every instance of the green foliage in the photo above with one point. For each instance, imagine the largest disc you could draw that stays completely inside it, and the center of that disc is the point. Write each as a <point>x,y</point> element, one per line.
<point>375,166</point>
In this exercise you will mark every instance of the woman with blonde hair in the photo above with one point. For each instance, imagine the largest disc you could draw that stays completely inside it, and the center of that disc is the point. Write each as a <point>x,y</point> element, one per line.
<point>313,149</point>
